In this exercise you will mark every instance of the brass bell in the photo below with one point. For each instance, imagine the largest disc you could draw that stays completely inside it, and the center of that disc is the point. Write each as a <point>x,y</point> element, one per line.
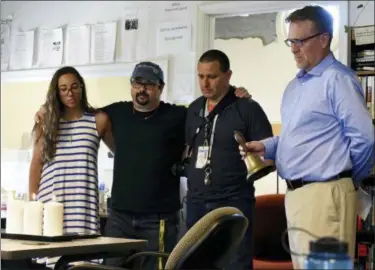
<point>256,167</point>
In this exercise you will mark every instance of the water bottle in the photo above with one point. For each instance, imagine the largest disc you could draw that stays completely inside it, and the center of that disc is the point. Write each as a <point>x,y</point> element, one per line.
<point>328,253</point>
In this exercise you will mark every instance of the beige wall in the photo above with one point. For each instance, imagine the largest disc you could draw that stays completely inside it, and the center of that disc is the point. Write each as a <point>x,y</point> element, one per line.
<point>19,103</point>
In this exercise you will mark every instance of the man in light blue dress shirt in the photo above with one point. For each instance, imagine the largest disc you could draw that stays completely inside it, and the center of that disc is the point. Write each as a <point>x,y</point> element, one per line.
<point>326,146</point>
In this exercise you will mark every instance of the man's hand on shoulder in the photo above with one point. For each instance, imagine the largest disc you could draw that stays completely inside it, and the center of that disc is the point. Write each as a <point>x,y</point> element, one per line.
<point>104,127</point>
<point>39,116</point>
<point>101,117</point>
<point>241,92</point>
<point>102,122</point>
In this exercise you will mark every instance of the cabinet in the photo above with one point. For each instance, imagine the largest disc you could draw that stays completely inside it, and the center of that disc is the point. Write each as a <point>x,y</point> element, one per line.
<point>361,60</point>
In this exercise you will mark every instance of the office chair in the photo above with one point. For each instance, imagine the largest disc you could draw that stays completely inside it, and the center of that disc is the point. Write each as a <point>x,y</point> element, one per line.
<point>269,225</point>
<point>209,244</point>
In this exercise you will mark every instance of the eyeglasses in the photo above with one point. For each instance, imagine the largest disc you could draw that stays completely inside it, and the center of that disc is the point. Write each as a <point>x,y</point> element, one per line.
<point>74,88</point>
<point>299,42</point>
<point>144,85</point>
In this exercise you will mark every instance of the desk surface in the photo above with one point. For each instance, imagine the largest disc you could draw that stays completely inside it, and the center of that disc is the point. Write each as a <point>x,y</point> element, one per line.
<point>21,249</point>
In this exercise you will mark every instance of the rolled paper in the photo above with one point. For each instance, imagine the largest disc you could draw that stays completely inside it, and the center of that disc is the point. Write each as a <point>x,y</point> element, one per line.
<point>33,218</point>
<point>14,216</point>
<point>53,219</point>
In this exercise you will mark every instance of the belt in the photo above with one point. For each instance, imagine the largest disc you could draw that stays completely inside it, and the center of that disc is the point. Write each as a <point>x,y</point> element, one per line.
<point>297,183</point>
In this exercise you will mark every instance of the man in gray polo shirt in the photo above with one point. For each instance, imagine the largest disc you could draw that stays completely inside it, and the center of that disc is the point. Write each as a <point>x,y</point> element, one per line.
<point>211,122</point>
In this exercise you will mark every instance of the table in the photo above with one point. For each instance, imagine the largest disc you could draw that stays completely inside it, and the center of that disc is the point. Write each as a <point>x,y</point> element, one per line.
<point>21,251</point>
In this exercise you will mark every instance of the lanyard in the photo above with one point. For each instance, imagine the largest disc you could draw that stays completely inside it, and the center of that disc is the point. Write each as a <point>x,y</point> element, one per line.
<point>212,136</point>
<point>207,169</point>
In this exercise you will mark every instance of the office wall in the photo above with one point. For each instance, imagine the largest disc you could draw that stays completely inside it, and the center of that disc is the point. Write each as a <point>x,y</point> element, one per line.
<point>25,98</point>
<point>36,15</point>
<point>361,16</point>
<point>19,103</point>
<point>28,15</point>
<point>21,97</point>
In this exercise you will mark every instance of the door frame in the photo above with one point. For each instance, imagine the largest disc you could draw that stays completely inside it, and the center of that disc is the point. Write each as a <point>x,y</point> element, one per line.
<point>208,11</point>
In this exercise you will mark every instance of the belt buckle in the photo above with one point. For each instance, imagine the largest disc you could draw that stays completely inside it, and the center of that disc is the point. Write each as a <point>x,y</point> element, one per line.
<point>293,187</point>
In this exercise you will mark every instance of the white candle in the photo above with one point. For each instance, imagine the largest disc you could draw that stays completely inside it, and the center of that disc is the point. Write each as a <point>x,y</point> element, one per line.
<point>53,219</point>
<point>33,218</point>
<point>14,216</point>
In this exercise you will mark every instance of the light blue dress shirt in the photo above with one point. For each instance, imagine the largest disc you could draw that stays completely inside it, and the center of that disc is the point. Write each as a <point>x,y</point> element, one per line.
<point>326,127</point>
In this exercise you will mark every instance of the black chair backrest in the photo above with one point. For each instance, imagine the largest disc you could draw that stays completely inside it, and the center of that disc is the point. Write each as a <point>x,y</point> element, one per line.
<point>215,247</point>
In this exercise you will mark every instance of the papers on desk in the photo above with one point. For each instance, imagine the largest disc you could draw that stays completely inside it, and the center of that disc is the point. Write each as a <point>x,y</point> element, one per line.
<point>51,47</point>
<point>22,50</point>
<point>103,42</point>
<point>78,45</point>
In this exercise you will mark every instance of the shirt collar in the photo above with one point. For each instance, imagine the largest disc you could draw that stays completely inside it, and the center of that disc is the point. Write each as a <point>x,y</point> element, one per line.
<point>318,69</point>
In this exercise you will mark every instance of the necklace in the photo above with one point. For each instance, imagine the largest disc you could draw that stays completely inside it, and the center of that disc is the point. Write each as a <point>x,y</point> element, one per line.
<point>146,117</point>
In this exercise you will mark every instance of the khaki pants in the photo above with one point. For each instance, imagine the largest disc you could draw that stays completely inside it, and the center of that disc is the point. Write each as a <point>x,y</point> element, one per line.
<point>324,209</point>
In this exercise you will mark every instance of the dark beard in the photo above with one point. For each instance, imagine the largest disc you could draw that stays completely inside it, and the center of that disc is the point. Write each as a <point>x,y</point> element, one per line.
<point>143,102</point>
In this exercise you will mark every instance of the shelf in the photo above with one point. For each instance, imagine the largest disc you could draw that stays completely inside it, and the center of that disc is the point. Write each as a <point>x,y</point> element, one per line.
<point>365,72</point>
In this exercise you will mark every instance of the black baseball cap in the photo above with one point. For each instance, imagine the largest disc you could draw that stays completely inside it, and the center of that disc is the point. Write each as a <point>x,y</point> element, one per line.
<point>148,71</point>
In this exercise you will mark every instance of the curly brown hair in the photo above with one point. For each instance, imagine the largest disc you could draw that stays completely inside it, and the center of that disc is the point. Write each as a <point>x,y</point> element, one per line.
<point>55,110</point>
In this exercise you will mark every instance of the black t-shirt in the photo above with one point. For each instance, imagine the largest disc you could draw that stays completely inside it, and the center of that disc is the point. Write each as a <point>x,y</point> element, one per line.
<point>147,145</point>
<point>229,171</point>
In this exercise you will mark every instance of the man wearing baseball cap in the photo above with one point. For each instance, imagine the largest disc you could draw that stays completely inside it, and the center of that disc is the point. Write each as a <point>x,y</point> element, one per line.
<point>149,139</point>
<point>149,136</point>
<point>148,71</point>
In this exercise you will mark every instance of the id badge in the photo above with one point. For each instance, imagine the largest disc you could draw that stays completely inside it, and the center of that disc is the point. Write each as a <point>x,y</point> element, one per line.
<point>202,157</point>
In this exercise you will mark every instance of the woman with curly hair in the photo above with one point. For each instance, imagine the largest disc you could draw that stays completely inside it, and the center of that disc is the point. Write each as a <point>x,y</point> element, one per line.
<point>64,162</point>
